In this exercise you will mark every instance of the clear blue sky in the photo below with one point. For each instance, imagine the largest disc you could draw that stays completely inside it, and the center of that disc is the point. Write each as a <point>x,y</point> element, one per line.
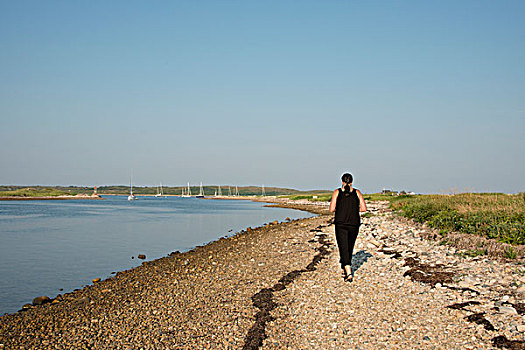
<point>426,96</point>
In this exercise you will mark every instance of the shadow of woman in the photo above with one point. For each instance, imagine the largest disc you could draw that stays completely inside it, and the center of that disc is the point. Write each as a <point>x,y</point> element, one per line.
<point>359,259</point>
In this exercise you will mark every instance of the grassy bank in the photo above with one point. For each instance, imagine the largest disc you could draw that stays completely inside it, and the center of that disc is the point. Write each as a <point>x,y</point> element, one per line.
<point>34,192</point>
<point>491,215</point>
<point>314,197</point>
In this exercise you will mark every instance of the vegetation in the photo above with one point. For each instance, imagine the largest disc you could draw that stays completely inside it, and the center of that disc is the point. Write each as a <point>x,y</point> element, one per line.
<point>391,197</point>
<point>510,253</point>
<point>317,197</point>
<point>492,215</point>
<point>33,192</point>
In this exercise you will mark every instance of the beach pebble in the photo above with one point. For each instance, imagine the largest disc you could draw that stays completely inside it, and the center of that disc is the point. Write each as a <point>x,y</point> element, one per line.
<point>508,310</point>
<point>41,300</point>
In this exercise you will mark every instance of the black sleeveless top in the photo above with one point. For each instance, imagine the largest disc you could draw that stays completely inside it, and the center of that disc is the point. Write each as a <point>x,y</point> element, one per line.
<point>347,208</point>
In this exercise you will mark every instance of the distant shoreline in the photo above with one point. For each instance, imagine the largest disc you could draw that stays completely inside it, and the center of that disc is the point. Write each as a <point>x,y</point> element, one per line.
<point>20,198</point>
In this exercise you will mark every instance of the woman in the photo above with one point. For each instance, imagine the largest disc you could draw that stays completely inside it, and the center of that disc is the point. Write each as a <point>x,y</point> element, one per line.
<point>347,202</point>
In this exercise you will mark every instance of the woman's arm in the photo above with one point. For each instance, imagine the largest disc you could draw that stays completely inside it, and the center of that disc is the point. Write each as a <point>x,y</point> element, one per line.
<point>362,204</point>
<point>334,200</point>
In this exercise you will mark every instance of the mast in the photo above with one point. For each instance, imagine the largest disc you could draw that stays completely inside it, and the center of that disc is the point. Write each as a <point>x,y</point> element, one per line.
<point>263,192</point>
<point>220,193</point>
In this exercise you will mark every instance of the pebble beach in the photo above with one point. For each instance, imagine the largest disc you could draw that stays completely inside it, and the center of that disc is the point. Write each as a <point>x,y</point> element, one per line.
<point>280,287</point>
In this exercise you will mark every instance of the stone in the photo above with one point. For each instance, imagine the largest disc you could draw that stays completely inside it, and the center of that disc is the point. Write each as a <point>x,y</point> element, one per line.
<point>507,310</point>
<point>141,256</point>
<point>96,280</point>
<point>520,328</point>
<point>467,282</point>
<point>41,300</point>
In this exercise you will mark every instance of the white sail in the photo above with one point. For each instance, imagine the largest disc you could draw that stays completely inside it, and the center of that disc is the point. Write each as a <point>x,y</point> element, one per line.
<point>201,192</point>
<point>159,192</point>
<point>187,192</point>
<point>131,197</point>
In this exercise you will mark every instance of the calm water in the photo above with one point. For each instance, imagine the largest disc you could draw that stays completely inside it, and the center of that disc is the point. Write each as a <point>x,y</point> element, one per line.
<point>50,245</point>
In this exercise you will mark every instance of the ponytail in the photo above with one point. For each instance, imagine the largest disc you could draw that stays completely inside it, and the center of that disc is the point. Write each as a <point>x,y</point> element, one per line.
<point>347,190</point>
<point>347,179</point>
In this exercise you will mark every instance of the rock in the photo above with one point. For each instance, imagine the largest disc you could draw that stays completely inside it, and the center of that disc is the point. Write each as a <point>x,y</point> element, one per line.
<point>41,300</point>
<point>520,328</point>
<point>96,280</point>
<point>375,243</point>
<point>141,256</point>
<point>507,310</point>
<point>467,282</point>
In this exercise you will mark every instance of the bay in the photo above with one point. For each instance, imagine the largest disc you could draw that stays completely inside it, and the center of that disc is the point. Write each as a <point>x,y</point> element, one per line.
<point>50,247</point>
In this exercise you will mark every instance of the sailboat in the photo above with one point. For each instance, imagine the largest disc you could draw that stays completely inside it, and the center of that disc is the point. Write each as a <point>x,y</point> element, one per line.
<point>187,193</point>
<point>131,197</point>
<point>159,192</point>
<point>201,193</point>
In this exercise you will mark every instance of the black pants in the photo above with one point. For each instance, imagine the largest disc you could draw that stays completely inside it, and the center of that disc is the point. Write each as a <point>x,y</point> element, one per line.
<point>346,236</point>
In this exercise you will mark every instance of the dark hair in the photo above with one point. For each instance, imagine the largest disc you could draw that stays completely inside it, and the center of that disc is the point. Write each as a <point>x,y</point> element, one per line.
<point>347,179</point>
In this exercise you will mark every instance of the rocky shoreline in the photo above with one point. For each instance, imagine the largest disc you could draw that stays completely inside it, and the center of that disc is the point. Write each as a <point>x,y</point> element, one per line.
<point>280,286</point>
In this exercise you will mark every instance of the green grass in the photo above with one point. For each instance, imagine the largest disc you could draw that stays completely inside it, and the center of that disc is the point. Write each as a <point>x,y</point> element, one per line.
<point>319,197</point>
<point>34,192</point>
<point>491,215</point>
<point>510,253</point>
<point>476,252</point>
<point>383,197</point>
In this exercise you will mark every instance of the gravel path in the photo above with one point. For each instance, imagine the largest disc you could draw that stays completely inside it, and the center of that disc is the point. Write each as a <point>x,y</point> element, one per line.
<point>280,286</point>
<point>406,294</point>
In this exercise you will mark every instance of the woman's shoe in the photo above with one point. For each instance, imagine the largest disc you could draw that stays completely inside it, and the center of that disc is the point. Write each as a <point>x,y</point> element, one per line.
<point>348,277</point>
